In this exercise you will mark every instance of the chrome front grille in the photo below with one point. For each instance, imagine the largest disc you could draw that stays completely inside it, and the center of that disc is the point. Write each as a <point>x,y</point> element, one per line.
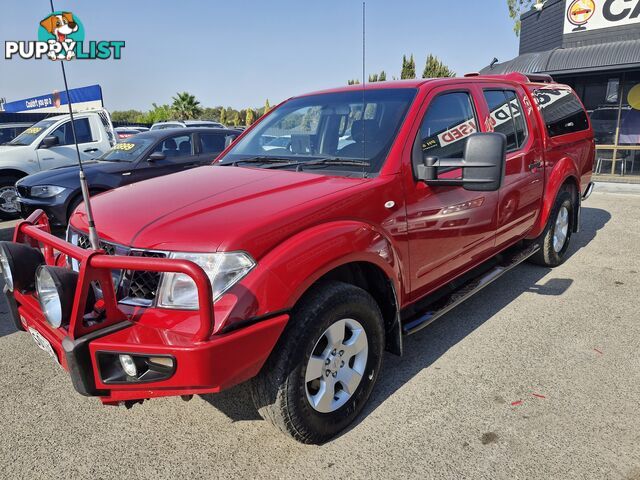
<point>134,287</point>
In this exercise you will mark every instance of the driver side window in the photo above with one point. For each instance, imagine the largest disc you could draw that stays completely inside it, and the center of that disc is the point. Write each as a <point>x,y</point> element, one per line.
<point>448,122</point>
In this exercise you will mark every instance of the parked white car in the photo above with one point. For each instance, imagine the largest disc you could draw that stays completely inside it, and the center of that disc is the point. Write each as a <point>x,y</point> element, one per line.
<point>186,123</point>
<point>49,144</point>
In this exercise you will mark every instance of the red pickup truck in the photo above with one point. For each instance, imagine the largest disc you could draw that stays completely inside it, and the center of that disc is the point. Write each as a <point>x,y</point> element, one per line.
<point>296,263</point>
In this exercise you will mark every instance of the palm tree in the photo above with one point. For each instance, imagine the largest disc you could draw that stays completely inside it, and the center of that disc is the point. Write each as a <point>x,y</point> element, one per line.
<point>185,106</point>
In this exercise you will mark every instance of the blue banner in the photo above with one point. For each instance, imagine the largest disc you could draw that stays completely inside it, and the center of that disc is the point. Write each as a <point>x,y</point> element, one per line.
<point>52,101</point>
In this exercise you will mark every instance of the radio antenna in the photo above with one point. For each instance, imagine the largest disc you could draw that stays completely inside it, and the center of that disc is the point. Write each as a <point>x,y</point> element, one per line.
<point>93,234</point>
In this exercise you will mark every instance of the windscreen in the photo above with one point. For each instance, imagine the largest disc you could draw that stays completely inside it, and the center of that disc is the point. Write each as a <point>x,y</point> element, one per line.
<point>127,151</point>
<point>30,134</point>
<point>347,126</point>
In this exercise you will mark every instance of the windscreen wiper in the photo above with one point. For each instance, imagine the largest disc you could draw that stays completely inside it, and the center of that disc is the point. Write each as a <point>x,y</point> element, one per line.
<point>260,159</point>
<point>323,161</point>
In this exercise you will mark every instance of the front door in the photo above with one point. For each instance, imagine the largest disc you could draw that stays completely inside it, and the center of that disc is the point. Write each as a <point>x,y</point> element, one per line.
<point>450,229</point>
<point>64,153</point>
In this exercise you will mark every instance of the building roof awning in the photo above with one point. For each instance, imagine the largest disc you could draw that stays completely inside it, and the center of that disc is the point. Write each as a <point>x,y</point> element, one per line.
<point>604,56</point>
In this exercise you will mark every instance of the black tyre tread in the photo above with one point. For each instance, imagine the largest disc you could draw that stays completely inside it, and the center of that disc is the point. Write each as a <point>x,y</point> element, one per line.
<point>546,256</point>
<point>6,180</point>
<point>274,376</point>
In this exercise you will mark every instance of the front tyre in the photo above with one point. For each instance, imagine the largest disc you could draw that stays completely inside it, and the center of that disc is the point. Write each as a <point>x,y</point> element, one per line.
<point>554,240</point>
<point>322,372</point>
<point>9,209</point>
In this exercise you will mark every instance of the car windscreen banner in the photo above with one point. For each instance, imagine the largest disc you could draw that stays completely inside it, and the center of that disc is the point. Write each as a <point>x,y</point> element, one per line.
<point>82,99</point>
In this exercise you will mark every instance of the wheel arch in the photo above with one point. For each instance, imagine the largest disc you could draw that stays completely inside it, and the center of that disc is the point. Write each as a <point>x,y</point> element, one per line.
<point>13,172</point>
<point>349,251</point>
<point>563,174</point>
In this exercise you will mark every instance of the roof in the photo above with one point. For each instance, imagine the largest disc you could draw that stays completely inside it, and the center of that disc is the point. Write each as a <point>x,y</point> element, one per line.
<point>413,83</point>
<point>614,55</point>
<point>169,132</point>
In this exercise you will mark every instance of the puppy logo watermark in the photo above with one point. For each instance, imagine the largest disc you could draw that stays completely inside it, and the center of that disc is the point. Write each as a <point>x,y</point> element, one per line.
<point>61,37</point>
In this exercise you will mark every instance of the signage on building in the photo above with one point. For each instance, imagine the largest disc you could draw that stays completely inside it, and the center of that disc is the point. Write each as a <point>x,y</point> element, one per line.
<point>587,15</point>
<point>85,98</point>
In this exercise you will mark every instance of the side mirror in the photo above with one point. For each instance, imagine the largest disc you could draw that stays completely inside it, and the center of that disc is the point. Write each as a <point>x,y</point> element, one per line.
<point>482,165</point>
<point>50,141</point>
<point>156,156</point>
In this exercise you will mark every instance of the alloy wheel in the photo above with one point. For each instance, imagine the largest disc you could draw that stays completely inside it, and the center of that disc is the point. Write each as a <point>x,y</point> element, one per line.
<point>8,199</point>
<point>336,366</point>
<point>561,229</point>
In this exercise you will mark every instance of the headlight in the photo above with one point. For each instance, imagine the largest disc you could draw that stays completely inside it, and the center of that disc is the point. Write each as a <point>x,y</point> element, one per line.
<point>223,269</point>
<point>46,191</point>
<point>56,288</point>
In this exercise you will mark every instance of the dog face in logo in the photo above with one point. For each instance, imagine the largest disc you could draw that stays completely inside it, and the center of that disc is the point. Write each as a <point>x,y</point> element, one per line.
<point>60,25</point>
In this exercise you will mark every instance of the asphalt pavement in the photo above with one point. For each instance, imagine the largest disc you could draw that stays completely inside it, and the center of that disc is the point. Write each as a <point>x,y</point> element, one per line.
<point>538,376</point>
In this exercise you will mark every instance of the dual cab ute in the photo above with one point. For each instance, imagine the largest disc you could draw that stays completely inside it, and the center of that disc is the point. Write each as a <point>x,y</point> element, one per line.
<point>296,267</point>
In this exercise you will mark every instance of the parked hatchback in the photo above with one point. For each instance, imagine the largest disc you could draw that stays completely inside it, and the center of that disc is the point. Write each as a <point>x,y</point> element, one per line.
<point>140,157</point>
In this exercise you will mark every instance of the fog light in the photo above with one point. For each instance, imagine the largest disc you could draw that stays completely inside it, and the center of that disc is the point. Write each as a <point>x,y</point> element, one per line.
<point>19,263</point>
<point>56,288</point>
<point>128,365</point>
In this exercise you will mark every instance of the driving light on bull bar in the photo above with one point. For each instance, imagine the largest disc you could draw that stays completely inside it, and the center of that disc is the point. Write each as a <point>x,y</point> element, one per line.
<point>19,263</point>
<point>224,270</point>
<point>56,288</point>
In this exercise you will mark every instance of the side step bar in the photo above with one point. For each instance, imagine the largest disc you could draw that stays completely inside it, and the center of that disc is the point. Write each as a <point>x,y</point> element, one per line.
<point>507,261</point>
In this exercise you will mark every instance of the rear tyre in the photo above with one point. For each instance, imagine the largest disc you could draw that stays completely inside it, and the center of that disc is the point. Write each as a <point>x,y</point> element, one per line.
<point>9,209</point>
<point>324,367</point>
<point>554,240</point>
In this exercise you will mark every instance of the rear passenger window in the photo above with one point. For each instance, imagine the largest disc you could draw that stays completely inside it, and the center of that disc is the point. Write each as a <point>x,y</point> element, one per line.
<point>449,121</point>
<point>212,143</point>
<point>561,110</point>
<point>505,111</point>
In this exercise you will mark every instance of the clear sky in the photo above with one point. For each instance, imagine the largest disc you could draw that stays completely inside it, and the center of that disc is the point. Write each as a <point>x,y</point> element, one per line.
<point>237,53</point>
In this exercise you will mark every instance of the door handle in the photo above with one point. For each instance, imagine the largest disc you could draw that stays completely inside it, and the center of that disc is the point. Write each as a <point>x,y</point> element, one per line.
<point>537,164</point>
<point>90,150</point>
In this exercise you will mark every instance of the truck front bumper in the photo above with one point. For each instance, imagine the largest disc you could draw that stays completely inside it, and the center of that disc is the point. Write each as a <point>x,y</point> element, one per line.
<point>205,367</point>
<point>176,352</point>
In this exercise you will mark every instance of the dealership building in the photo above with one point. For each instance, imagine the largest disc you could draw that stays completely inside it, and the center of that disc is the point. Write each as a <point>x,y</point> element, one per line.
<point>594,46</point>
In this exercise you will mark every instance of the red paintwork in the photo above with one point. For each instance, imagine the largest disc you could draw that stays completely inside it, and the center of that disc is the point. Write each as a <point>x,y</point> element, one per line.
<point>299,226</point>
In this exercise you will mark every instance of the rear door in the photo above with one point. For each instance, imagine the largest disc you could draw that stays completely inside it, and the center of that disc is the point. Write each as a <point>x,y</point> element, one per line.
<point>212,144</point>
<point>179,155</point>
<point>450,229</point>
<point>509,111</point>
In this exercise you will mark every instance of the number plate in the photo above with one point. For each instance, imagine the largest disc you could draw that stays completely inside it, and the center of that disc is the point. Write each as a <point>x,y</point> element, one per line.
<point>43,343</point>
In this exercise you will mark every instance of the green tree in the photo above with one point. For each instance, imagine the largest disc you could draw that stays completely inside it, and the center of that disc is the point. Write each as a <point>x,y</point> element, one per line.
<point>236,119</point>
<point>267,106</point>
<point>353,82</point>
<point>408,68</point>
<point>250,117</point>
<point>126,116</point>
<point>185,106</point>
<point>517,8</point>
<point>382,77</point>
<point>223,116</point>
<point>373,78</point>
<point>209,113</point>
<point>434,68</point>
<point>158,113</point>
